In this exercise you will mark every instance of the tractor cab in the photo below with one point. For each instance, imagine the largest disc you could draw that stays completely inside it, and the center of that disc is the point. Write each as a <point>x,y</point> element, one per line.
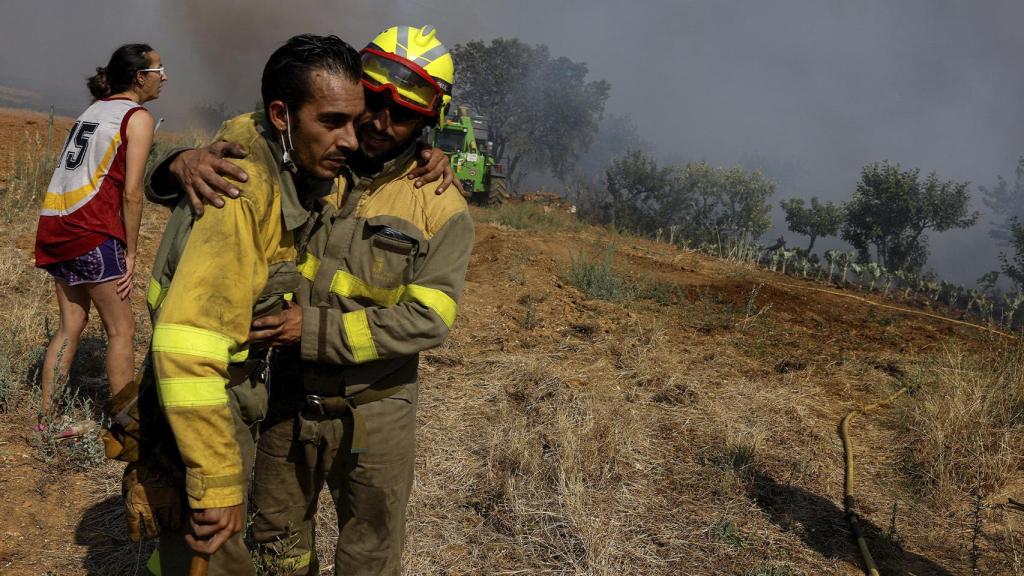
<point>464,139</point>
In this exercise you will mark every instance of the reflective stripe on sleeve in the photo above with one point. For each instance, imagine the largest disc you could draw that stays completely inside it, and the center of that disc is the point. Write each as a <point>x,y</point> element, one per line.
<point>180,339</point>
<point>309,267</point>
<point>208,391</point>
<point>155,294</point>
<point>360,340</point>
<point>348,286</point>
<point>434,299</point>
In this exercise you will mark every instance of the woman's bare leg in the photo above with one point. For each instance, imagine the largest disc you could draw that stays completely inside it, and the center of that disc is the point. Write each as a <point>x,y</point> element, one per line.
<point>73,302</point>
<point>119,323</point>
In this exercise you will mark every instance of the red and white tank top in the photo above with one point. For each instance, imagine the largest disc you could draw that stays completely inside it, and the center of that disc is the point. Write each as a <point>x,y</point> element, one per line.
<point>82,207</point>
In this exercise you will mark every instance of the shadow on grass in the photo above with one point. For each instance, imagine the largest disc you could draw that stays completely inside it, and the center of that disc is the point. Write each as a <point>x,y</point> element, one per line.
<point>103,529</point>
<point>822,526</point>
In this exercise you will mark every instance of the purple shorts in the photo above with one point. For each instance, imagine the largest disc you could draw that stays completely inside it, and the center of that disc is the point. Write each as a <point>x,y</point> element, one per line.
<point>102,263</point>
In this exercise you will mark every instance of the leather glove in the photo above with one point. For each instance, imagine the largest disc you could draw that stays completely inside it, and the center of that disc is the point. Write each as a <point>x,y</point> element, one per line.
<point>121,440</point>
<point>153,499</point>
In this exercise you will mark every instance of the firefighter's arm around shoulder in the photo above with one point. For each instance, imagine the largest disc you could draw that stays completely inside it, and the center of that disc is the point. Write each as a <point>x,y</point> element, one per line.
<point>201,326</point>
<point>160,189</point>
<point>202,176</point>
<point>423,314</point>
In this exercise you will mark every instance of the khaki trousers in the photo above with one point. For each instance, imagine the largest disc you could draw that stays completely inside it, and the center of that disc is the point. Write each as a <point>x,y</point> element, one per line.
<point>297,454</point>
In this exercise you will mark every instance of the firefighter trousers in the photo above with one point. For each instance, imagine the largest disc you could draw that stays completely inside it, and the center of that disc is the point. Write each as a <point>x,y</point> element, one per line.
<point>298,453</point>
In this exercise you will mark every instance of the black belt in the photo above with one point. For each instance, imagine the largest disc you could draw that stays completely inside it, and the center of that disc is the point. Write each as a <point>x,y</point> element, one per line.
<point>329,407</point>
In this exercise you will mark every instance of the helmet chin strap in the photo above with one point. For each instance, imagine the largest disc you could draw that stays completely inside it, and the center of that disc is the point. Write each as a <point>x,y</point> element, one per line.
<point>286,157</point>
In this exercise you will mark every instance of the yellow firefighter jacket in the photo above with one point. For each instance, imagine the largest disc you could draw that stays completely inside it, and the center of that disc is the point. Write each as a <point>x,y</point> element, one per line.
<point>212,276</point>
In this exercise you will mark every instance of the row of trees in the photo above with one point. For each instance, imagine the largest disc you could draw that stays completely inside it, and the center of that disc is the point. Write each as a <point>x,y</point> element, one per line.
<point>545,114</point>
<point>889,216</point>
<point>886,221</point>
<point>696,202</point>
<point>892,210</point>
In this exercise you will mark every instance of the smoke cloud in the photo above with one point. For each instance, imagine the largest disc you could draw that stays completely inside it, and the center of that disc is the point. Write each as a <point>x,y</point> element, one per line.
<point>809,89</point>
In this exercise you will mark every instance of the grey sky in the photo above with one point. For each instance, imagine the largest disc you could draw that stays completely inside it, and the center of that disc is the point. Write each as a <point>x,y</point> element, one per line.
<point>822,85</point>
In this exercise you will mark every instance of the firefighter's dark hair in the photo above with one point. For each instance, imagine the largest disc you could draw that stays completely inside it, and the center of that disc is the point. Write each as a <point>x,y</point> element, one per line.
<point>119,74</point>
<point>286,75</point>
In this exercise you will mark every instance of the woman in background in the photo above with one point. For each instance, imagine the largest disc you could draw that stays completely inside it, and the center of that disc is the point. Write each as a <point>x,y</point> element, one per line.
<point>89,223</point>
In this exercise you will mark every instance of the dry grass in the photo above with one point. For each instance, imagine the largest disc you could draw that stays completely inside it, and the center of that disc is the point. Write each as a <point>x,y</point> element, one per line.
<point>630,464</point>
<point>33,166</point>
<point>965,424</point>
<point>541,488</point>
<point>526,216</point>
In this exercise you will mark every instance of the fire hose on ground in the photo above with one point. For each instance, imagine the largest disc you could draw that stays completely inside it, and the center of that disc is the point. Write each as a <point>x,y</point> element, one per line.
<point>849,504</point>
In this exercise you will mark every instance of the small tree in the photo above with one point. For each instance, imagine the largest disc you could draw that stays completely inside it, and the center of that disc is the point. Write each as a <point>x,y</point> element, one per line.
<point>1006,203</point>
<point>1012,265</point>
<point>744,202</point>
<point>709,203</point>
<point>636,187</point>
<point>819,220</point>
<point>892,209</point>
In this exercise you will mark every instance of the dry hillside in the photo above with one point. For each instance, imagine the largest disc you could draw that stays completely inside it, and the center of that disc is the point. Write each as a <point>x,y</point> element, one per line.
<point>612,405</point>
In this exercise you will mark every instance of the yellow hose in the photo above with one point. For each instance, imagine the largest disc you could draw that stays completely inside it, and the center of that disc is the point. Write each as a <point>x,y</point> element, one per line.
<point>849,504</point>
<point>897,308</point>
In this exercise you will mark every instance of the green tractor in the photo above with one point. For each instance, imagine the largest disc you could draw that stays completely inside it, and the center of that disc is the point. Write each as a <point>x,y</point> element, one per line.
<point>464,140</point>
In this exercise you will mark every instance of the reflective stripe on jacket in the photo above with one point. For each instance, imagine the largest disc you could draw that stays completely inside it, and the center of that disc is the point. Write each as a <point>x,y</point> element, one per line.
<point>382,276</point>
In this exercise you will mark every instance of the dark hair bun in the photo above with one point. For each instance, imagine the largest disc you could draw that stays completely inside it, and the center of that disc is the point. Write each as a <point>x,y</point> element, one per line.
<point>98,85</point>
<point>119,74</point>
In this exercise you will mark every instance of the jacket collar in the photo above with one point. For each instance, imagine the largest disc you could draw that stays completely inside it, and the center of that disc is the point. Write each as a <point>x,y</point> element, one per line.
<point>366,170</point>
<point>293,211</point>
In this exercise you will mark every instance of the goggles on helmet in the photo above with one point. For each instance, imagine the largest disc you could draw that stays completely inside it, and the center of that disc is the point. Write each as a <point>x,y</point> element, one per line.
<point>409,84</point>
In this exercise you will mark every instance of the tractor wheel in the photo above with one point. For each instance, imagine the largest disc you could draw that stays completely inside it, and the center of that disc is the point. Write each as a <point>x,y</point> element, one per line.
<point>498,192</point>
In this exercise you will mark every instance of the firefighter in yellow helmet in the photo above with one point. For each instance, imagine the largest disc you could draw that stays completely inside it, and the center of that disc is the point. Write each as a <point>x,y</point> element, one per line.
<point>381,276</point>
<point>413,65</point>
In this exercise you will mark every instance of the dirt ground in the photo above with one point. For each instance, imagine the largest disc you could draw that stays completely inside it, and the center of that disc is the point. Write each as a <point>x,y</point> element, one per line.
<point>19,126</point>
<point>690,434</point>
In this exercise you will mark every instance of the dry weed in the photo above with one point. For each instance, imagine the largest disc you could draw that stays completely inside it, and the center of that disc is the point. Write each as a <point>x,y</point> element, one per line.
<point>965,424</point>
<point>550,487</point>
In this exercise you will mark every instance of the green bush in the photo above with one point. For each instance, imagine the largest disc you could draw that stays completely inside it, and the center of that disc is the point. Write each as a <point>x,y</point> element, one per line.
<point>596,277</point>
<point>594,274</point>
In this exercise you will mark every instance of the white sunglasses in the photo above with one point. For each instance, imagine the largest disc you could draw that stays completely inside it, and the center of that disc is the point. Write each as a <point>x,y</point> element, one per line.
<point>160,70</point>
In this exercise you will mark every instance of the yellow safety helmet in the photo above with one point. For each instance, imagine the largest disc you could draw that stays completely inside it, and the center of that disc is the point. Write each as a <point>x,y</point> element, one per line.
<point>413,65</point>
